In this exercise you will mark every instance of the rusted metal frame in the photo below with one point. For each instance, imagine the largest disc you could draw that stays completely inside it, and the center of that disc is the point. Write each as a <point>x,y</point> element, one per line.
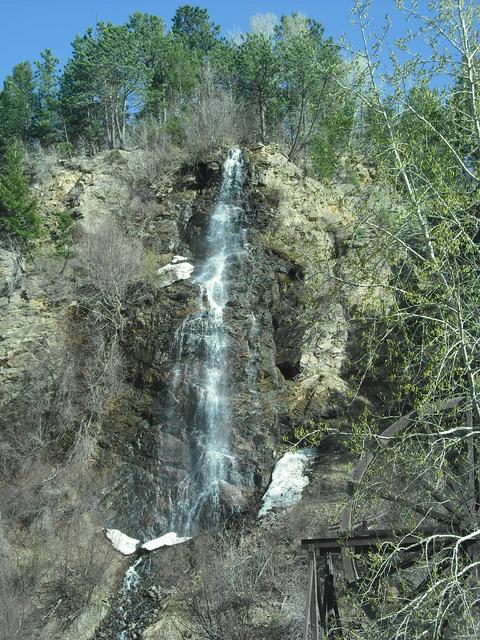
<point>366,461</point>
<point>474,551</point>
<point>385,438</point>
<point>399,425</point>
<point>472,477</point>
<point>349,567</point>
<point>443,500</point>
<point>320,610</point>
<point>370,539</point>
<point>363,543</point>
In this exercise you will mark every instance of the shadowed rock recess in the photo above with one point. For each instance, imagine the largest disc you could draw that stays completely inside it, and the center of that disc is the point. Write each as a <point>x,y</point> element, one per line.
<point>224,354</point>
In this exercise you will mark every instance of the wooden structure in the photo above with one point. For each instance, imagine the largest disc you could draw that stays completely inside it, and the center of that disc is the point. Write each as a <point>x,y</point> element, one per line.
<point>322,619</point>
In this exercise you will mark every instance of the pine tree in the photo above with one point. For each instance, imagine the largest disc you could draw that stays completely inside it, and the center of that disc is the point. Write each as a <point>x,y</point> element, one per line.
<point>47,119</point>
<point>170,69</point>
<point>192,25</point>
<point>17,104</point>
<point>18,210</point>
<point>308,64</point>
<point>258,78</point>
<point>80,111</point>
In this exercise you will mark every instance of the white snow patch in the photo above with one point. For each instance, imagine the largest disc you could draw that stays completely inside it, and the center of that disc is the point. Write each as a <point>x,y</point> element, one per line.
<point>289,479</point>
<point>176,259</point>
<point>126,545</point>
<point>167,540</point>
<point>178,269</point>
<point>122,542</point>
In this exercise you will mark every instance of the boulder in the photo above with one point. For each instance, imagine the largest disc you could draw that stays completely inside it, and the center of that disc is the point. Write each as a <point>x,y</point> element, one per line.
<point>231,497</point>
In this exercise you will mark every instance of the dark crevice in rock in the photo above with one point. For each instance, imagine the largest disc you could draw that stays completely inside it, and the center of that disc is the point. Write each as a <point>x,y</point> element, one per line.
<point>289,328</point>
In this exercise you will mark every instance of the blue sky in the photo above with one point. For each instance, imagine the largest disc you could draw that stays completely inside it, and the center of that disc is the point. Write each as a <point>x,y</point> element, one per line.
<point>30,26</point>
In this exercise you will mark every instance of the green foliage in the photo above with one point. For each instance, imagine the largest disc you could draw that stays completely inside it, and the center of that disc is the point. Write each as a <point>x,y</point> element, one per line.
<point>280,75</point>
<point>331,138</point>
<point>173,76</point>
<point>80,111</point>
<point>100,83</point>
<point>18,210</point>
<point>17,104</point>
<point>62,234</point>
<point>47,117</point>
<point>308,66</point>
<point>258,79</point>
<point>193,27</point>
<point>421,348</point>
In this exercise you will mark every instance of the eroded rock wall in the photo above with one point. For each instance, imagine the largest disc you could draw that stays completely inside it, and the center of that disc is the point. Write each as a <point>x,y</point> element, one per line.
<point>287,339</point>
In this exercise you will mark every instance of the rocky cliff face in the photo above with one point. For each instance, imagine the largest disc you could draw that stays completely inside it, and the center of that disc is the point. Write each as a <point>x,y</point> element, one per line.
<point>287,347</point>
<point>282,373</point>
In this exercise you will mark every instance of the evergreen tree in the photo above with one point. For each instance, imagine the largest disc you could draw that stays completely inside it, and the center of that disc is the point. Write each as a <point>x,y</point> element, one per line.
<point>258,79</point>
<point>47,120</point>
<point>81,112</point>
<point>308,64</point>
<point>18,210</point>
<point>102,83</point>
<point>170,69</point>
<point>192,25</point>
<point>17,104</point>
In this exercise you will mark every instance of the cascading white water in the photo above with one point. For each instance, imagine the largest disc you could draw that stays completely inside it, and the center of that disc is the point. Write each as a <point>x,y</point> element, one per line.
<point>201,347</point>
<point>200,376</point>
<point>130,584</point>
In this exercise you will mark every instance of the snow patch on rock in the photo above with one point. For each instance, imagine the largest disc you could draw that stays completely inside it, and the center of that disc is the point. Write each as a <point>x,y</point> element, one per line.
<point>178,269</point>
<point>177,259</point>
<point>122,542</point>
<point>168,540</point>
<point>289,479</point>
<point>126,545</point>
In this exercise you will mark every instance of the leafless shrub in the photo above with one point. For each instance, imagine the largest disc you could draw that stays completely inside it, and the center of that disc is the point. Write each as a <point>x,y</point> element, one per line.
<point>41,162</point>
<point>155,157</point>
<point>75,566</point>
<point>238,580</point>
<point>73,562</point>
<point>215,120</point>
<point>11,266</point>
<point>216,601</point>
<point>107,264</point>
<point>104,379</point>
<point>61,398</point>
<point>42,405</point>
<point>53,561</point>
<point>54,399</point>
<point>14,622</point>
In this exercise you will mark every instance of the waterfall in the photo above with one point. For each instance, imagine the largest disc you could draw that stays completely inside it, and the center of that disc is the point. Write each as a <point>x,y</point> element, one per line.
<point>200,379</point>
<point>201,369</point>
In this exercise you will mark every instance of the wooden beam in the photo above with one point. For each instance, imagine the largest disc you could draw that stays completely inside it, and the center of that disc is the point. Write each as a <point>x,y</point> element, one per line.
<point>368,539</point>
<point>313,624</point>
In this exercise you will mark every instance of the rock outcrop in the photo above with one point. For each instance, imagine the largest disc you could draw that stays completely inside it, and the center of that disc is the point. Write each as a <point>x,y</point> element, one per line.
<point>287,342</point>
